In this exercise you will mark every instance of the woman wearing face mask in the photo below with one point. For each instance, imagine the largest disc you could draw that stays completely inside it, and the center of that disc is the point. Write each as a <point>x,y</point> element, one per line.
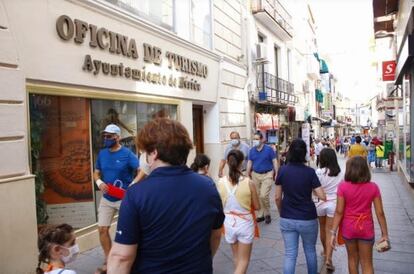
<point>171,221</point>
<point>201,164</point>
<point>57,247</point>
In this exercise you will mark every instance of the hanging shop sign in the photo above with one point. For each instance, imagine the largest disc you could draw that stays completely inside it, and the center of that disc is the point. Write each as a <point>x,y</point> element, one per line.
<point>388,70</point>
<point>264,121</point>
<point>115,43</point>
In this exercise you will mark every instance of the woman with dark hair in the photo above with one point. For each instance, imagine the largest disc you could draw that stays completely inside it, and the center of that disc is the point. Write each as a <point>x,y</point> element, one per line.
<point>171,221</point>
<point>239,197</point>
<point>201,164</point>
<point>329,174</point>
<point>353,213</point>
<point>295,183</point>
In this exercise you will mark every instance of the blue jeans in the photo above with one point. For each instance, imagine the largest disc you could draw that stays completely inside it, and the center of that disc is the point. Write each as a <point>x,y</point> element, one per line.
<point>308,231</point>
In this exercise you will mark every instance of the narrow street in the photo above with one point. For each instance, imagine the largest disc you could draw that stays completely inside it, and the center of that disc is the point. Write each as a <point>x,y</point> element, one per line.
<point>267,255</point>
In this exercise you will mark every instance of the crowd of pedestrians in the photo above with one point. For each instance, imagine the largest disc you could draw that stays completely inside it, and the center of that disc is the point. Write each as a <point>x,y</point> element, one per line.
<point>172,217</point>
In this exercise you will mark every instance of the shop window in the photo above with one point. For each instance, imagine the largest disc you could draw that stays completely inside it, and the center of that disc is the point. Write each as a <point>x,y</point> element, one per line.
<point>65,131</point>
<point>61,159</point>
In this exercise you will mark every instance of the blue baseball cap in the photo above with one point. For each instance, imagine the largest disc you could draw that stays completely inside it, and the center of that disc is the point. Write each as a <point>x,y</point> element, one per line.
<point>114,129</point>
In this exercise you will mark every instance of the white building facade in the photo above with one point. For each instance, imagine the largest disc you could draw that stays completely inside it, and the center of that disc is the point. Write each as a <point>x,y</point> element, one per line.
<point>72,67</point>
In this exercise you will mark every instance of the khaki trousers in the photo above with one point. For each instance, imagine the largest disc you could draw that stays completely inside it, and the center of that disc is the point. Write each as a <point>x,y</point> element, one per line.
<point>263,184</point>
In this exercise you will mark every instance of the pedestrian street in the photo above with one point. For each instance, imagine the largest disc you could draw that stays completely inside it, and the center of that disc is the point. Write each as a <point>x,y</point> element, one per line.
<point>267,253</point>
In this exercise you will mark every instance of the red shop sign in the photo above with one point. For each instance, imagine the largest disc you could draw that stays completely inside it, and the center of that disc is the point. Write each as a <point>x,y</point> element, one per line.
<point>388,70</point>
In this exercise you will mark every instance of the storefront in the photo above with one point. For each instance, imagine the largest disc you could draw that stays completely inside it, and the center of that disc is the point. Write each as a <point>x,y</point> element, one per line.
<point>405,77</point>
<point>86,64</point>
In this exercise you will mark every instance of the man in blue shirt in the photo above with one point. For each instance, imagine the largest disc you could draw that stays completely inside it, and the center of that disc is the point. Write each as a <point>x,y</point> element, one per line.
<point>262,167</point>
<point>115,166</point>
<point>235,143</point>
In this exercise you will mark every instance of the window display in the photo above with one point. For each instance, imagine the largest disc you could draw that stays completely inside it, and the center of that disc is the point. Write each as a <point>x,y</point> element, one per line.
<point>64,133</point>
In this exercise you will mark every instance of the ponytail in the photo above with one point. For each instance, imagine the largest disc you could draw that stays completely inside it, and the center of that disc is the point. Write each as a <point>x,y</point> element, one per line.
<point>234,159</point>
<point>200,161</point>
<point>48,235</point>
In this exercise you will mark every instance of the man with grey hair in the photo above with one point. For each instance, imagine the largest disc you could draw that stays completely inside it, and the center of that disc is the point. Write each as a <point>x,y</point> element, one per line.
<point>235,143</point>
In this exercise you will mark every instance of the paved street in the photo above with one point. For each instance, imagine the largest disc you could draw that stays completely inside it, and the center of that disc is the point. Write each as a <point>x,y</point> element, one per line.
<point>267,256</point>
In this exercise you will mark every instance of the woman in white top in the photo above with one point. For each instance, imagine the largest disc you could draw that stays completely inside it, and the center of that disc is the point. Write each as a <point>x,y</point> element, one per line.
<point>330,176</point>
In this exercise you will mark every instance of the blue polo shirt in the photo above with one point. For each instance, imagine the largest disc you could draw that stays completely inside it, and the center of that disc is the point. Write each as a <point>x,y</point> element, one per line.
<point>297,181</point>
<point>262,161</point>
<point>117,168</point>
<point>170,216</point>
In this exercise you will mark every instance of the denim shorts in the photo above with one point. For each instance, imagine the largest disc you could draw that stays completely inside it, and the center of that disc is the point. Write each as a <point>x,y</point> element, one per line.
<point>368,241</point>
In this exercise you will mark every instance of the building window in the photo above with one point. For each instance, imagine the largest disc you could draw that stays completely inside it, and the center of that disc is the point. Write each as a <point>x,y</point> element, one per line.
<point>159,12</point>
<point>289,60</point>
<point>66,136</point>
<point>189,19</point>
<point>192,21</point>
<point>276,50</point>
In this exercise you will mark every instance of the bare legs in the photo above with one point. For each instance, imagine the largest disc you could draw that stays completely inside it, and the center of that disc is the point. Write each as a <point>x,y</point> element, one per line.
<point>359,251</point>
<point>241,257</point>
<point>105,240</point>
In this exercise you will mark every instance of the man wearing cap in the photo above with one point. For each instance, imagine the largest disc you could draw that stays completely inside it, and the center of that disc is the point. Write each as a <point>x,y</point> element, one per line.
<point>115,166</point>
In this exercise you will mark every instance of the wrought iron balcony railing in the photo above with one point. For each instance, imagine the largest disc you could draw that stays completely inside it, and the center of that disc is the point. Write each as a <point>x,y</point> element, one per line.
<point>274,90</point>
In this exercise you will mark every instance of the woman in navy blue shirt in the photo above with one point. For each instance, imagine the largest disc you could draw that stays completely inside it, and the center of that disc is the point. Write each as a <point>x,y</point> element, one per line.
<point>170,222</point>
<point>296,182</point>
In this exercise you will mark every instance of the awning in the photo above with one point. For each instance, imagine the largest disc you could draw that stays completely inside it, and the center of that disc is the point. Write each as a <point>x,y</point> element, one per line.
<point>318,95</point>
<point>323,67</point>
<point>319,119</point>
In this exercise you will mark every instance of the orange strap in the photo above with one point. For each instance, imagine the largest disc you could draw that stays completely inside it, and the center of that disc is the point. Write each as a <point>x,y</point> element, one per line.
<point>242,216</point>
<point>360,220</point>
<point>256,226</point>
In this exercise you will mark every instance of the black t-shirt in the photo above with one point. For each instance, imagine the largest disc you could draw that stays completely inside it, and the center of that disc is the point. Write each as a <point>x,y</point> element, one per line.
<point>170,215</point>
<point>297,181</point>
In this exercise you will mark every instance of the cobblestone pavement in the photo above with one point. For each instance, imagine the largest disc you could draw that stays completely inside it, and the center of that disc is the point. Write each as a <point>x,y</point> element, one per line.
<point>267,255</point>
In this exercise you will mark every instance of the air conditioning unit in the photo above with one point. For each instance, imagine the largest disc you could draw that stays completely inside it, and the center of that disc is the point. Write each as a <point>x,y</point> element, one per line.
<point>261,52</point>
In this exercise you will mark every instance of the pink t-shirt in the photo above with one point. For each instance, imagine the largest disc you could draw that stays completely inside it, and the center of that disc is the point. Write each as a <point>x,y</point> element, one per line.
<point>357,222</point>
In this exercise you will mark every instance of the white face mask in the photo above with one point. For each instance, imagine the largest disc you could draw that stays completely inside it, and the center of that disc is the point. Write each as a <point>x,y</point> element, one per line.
<point>73,253</point>
<point>143,164</point>
<point>256,143</point>
<point>235,142</point>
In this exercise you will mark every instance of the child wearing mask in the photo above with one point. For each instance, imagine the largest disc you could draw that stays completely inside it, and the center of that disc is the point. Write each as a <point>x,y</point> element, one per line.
<point>57,248</point>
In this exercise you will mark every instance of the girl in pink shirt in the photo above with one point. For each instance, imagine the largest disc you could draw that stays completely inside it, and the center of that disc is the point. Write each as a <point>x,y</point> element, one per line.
<point>353,213</point>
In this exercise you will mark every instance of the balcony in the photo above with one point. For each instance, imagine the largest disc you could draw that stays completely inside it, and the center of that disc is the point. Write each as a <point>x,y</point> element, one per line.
<point>272,90</point>
<point>274,16</point>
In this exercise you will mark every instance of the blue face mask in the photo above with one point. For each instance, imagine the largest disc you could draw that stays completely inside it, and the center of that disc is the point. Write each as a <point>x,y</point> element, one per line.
<point>108,143</point>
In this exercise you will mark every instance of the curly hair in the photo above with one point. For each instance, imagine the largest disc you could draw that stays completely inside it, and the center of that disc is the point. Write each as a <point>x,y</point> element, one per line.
<point>48,235</point>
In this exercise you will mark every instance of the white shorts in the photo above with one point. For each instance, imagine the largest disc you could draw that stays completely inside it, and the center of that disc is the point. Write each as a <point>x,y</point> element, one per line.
<point>239,229</point>
<point>326,208</point>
